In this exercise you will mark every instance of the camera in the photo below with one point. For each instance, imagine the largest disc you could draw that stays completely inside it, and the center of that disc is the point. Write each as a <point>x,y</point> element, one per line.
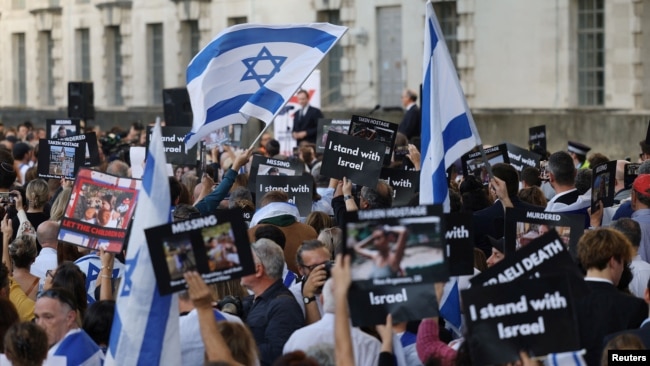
<point>328,268</point>
<point>231,305</point>
<point>7,198</point>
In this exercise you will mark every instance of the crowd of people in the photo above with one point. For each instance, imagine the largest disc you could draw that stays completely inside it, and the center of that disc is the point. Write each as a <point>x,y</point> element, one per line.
<point>57,300</point>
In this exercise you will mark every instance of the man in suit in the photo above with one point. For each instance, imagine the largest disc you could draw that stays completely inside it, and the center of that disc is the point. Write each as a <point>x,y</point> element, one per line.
<point>604,309</point>
<point>642,332</point>
<point>305,120</point>
<point>562,174</point>
<point>410,125</point>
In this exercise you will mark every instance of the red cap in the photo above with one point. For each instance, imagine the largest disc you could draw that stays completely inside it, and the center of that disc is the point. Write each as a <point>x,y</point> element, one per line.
<point>642,184</point>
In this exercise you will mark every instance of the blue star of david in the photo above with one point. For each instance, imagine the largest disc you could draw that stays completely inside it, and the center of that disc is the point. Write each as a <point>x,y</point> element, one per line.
<point>128,281</point>
<point>266,57</point>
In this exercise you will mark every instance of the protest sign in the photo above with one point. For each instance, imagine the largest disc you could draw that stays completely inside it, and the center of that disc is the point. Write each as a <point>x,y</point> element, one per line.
<point>175,149</point>
<point>397,255</point>
<point>630,174</point>
<point>261,165</point>
<point>459,235</point>
<point>521,158</point>
<point>327,125</point>
<point>405,184</point>
<point>524,225</point>
<point>229,135</point>
<point>474,164</point>
<point>372,129</point>
<point>89,140</point>
<point>216,246</point>
<point>357,159</point>
<point>62,128</point>
<point>99,211</point>
<point>298,188</point>
<point>58,158</point>
<point>537,137</point>
<point>545,255</point>
<point>602,184</point>
<point>533,315</point>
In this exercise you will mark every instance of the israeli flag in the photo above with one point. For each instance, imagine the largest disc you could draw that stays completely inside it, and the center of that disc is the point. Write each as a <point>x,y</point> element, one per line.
<point>448,129</point>
<point>145,327</point>
<point>251,70</point>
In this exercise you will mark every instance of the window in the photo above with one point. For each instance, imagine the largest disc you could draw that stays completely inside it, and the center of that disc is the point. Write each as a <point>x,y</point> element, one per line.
<point>591,52</point>
<point>156,62</point>
<point>332,77</point>
<point>47,65</point>
<point>191,39</point>
<point>448,18</point>
<point>114,58</point>
<point>20,77</point>
<point>83,54</point>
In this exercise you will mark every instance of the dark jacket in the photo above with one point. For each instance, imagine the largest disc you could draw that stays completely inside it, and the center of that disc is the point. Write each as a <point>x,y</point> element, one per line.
<point>309,123</point>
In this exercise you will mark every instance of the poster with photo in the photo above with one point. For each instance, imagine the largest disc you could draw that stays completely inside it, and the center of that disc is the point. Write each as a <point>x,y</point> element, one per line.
<point>397,254</point>
<point>523,226</point>
<point>58,158</point>
<point>528,315</point>
<point>91,157</point>
<point>630,174</point>
<point>262,165</point>
<point>62,128</point>
<point>405,184</point>
<point>372,129</point>
<point>537,137</point>
<point>327,125</point>
<point>459,234</point>
<point>174,145</point>
<point>474,164</point>
<point>229,135</point>
<point>216,246</point>
<point>99,211</point>
<point>298,188</point>
<point>356,159</point>
<point>603,184</point>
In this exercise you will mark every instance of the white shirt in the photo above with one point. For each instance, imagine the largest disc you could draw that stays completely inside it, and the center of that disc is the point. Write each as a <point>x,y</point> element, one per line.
<point>366,347</point>
<point>296,290</point>
<point>45,260</point>
<point>641,271</point>
<point>192,347</point>
<point>553,206</point>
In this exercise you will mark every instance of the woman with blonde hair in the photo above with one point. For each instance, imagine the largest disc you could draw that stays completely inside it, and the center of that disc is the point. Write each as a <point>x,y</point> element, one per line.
<point>21,254</point>
<point>60,203</point>
<point>37,195</point>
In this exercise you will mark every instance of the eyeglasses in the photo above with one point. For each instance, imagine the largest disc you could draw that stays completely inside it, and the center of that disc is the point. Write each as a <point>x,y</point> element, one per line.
<point>50,273</point>
<point>60,294</point>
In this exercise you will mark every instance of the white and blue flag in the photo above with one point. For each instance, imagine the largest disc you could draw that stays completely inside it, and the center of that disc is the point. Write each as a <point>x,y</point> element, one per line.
<point>251,70</point>
<point>448,129</point>
<point>146,327</point>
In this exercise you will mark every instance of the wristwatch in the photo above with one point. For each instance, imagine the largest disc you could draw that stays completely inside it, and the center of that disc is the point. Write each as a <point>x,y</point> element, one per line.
<point>307,300</point>
<point>347,197</point>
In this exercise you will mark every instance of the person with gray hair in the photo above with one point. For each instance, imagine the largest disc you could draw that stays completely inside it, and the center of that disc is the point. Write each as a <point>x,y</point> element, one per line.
<point>366,348</point>
<point>271,313</point>
<point>640,268</point>
<point>119,168</point>
<point>562,173</point>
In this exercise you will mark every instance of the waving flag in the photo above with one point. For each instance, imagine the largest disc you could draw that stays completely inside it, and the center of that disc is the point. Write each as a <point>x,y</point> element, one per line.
<point>448,129</point>
<point>145,327</point>
<point>251,70</point>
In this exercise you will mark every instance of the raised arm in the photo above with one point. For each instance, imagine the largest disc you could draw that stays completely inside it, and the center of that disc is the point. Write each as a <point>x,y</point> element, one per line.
<point>399,249</point>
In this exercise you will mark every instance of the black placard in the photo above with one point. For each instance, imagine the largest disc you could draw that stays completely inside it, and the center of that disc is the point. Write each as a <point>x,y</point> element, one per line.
<point>460,243</point>
<point>474,164</point>
<point>229,135</point>
<point>521,158</point>
<point>546,255</point>
<point>537,137</point>
<point>174,145</point>
<point>327,125</point>
<point>534,315</point>
<point>630,174</point>
<point>355,158</point>
<point>397,255</point>
<point>405,183</point>
<point>91,157</point>
<point>99,211</point>
<point>216,246</point>
<point>62,128</point>
<point>603,184</point>
<point>261,165</point>
<point>523,226</point>
<point>57,158</point>
<point>298,188</point>
<point>372,129</point>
